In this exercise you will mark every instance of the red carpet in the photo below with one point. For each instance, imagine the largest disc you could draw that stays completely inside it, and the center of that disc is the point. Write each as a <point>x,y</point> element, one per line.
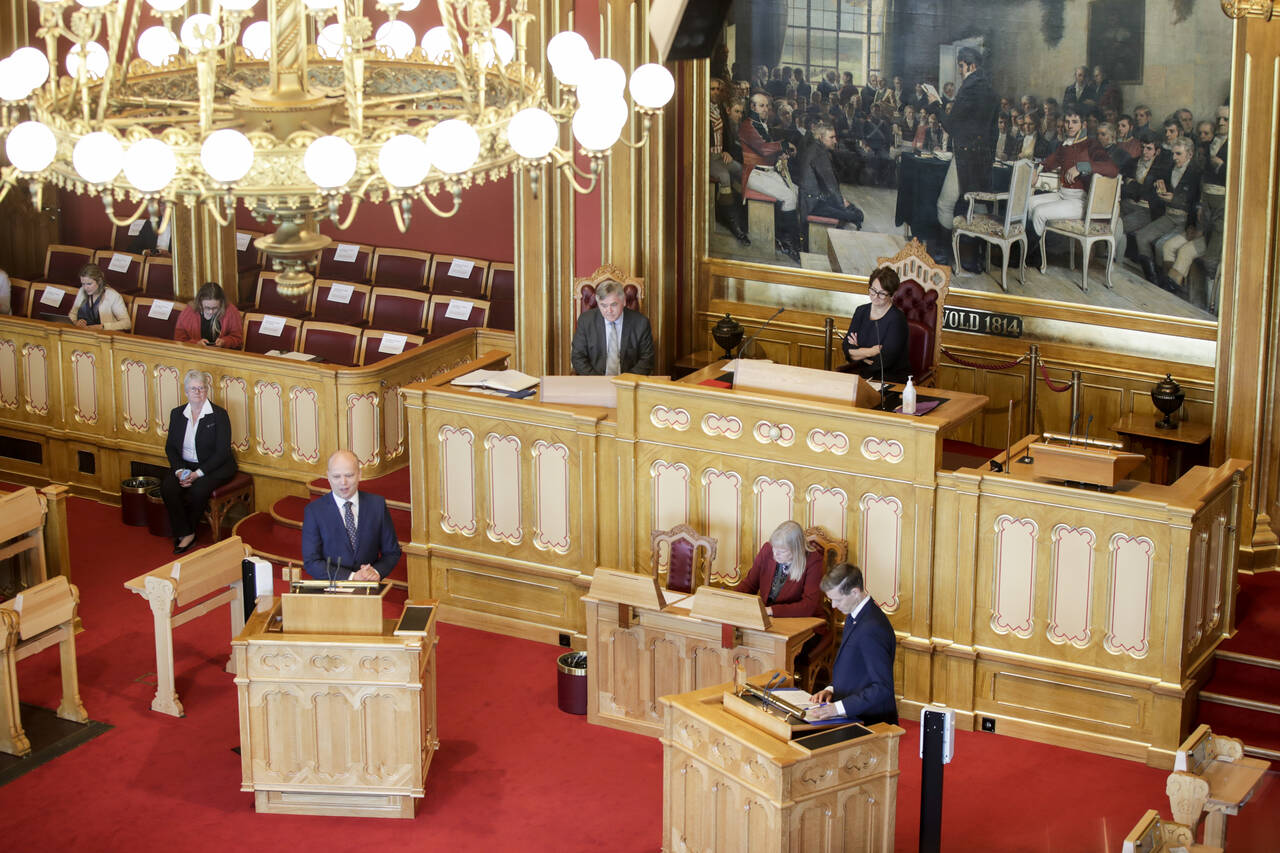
<point>513,771</point>
<point>1257,617</point>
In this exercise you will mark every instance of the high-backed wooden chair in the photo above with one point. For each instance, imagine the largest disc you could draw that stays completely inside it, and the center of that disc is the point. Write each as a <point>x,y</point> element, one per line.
<point>39,303</point>
<point>333,342</point>
<point>395,310</point>
<point>126,280</point>
<point>681,557</point>
<point>267,299</point>
<point>1004,230</point>
<point>401,268</point>
<point>154,318</point>
<point>259,341</point>
<point>815,668</point>
<point>584,289</point>
<point>157,277</point>
<point>439,323</point>
<point>355,270</point>
<point>1098,225</point>
<point>376,345</point>
<point>442,279</point>
<point>502,282</point>
<point>62,264</point>
<point>340,302</point>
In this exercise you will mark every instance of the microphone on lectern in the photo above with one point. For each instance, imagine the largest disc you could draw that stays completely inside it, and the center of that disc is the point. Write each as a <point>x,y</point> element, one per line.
<point>742,350</point>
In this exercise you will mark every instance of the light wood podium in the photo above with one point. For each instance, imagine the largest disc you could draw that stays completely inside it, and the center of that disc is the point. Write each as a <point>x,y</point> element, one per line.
<point>336,723</point>
<point>730,786</point>
<point>639,649</point>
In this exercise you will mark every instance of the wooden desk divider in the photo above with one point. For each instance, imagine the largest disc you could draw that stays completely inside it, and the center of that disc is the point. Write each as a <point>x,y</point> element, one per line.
<point>339,613</point>
<point>35,619</point>
<point>629,590</point>
<point>1210,774</point>
<point>733,610</point>
<point>22,532</point>
<point>1083,463</point>
<point>179,584</point>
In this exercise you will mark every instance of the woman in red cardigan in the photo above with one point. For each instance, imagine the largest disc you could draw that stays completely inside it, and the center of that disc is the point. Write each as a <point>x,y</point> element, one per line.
<point>210,321</point>
<point>785,575</point>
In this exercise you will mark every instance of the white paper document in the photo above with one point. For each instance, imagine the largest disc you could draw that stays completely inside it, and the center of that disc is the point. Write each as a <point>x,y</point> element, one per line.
<point>291,355</point>
<point>52,296</point>
<point>459,309</point>
<point>135,227</point>
<point>461,268</point>
<point>272,325</point>
<point>392,344</point>
<point>346,253</point>
<point>339,292</point>
<point>242,240</point>
<point>119,263</point>
<point>160,309</point>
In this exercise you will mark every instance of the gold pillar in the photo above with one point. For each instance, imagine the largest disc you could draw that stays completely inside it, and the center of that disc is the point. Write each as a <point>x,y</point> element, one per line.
<point>1247,389</point>
<point>13,26</point>
<point>203,250</point>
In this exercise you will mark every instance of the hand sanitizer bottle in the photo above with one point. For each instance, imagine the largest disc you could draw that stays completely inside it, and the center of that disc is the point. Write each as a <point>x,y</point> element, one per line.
<point>909,398</point>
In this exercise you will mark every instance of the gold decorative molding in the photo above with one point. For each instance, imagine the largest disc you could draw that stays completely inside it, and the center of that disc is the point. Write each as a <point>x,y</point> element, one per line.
<point>1263,9</point>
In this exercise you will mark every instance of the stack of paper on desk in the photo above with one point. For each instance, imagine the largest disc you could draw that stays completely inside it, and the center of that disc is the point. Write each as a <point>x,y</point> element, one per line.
<point>497,380</point>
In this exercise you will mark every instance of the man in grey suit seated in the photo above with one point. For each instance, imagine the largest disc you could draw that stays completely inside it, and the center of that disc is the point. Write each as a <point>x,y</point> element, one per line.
<point>611,338</point>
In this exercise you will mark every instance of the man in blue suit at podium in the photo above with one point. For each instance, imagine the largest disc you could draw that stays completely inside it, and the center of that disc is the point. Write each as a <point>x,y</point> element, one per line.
<point>862,675</point>
<point>351,528</point>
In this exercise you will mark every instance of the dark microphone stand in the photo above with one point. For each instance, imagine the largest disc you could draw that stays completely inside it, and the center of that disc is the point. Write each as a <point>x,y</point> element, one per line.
<point>742,350</point>
<point>886,401</point>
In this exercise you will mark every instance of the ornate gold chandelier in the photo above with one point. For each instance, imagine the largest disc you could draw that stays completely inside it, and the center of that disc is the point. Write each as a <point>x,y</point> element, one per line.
<point>303,114</point>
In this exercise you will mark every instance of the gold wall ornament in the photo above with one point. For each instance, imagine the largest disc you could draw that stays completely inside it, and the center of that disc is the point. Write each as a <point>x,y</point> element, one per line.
<point>1263,9</point>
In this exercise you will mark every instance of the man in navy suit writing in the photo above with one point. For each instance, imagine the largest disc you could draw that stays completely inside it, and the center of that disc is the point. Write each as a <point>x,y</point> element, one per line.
<point>349,527</point>
<point>862,675</point>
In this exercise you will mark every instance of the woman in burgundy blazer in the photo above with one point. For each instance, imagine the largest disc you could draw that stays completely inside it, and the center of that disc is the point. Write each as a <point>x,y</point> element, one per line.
<point>798,595</point>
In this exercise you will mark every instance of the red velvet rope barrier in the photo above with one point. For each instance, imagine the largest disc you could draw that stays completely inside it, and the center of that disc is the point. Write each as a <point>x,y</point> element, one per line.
<point>1052,386</point>
<point>979,365</point>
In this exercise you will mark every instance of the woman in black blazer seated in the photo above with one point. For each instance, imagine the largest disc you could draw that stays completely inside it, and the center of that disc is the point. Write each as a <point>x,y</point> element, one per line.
<point>876,344</point>
<point>200,458</point>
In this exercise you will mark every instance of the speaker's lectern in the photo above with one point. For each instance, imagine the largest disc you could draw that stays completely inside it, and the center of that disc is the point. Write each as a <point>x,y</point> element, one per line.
<point>337,705</point>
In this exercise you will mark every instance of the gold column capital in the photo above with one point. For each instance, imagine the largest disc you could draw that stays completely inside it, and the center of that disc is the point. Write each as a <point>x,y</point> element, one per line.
<point>1263,9</point>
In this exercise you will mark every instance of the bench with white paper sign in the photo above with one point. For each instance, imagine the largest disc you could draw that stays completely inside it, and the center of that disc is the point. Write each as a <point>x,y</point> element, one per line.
<point>450,313</point>
<point>36,619</point>
<point>154,318</point>
<point>266,332</point>
<point>201,581</point>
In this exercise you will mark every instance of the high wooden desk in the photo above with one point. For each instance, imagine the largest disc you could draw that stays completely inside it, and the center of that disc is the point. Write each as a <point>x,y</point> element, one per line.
<point>730,787</point>
<point>335,724</point>
<point>669,651</point>
<point>1167,448</point>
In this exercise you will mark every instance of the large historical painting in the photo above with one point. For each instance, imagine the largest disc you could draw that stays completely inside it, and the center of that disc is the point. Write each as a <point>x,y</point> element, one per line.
<point>864,70</point>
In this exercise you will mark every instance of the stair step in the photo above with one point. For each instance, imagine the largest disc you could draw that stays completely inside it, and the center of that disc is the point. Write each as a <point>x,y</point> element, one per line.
<point>1243,679</point>
<point>395,487</point>
<point>1257,616</point>
<point>289,512</point>
<point>1257,729</point>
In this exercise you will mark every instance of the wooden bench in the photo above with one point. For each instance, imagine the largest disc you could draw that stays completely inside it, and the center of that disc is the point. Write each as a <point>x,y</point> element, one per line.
<point>31,622</point>
<point>818,225</point>
<point>1154,835</point>
<point>213,571</point>
<point>22,533</point>
<point>1210,774</point>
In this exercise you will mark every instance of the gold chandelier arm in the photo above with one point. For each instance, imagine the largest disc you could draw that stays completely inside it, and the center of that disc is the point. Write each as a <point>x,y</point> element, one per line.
<point>123,223</point>
<point>212,206</point>
<point>644,136</point>
<point>571,174</point>
<point>426,200</point>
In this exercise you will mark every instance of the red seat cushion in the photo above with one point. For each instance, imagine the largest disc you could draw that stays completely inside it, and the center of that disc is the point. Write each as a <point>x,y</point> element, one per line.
<point>680,569</point>
<point>824,220</point>
<point>239,483</point>
<point>752,195</point>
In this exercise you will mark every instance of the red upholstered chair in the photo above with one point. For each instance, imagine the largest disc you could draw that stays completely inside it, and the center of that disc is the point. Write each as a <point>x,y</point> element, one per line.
<point>355,270</point>
<point>441,279</point>
<point>331,303</point>
<point>237,490</point>
<point>681,557</point>
<point>401,268</point>
<point>395,310</point>
<point>502,315</point>
<point>439,323</point>
<point>127,280</point>
<point>921,296</point>
<point>333,342</point>
<point>62,264</point>
<point>814,667</point>
<point>157,277</point>
<point>502,282</point>
<point>250,256</point>
<point>585,289</point>
<point>36,304</point>
<point>19,296</point>
<point>256,340</point>
<point>140,312</point>
<point>372,348</point>
<point>268,300</point>
<point>121,239</point>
